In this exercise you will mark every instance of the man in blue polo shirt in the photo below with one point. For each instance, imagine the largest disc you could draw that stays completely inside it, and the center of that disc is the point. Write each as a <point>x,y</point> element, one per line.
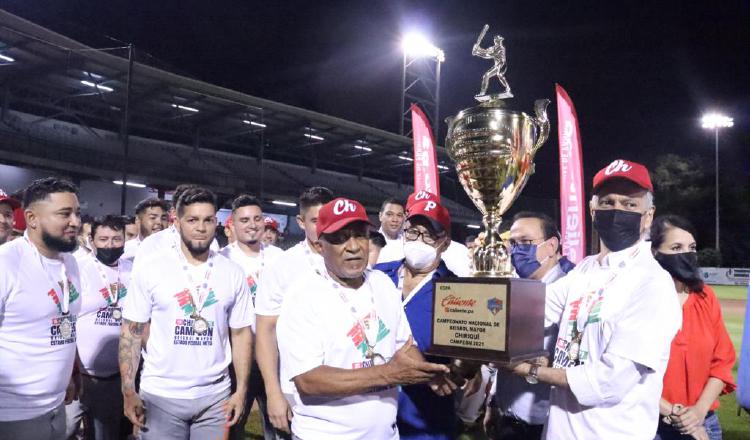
<point>421,413</point>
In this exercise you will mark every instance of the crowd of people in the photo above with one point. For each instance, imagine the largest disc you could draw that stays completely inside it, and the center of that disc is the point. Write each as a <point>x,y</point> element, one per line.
<point>158,327</point>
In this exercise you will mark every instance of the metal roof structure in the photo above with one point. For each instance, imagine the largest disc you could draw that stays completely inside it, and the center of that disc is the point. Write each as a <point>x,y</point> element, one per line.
<point>164,128</point>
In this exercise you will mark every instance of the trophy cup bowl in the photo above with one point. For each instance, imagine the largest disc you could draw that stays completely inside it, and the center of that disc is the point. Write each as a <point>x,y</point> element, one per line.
<point>494,150</point>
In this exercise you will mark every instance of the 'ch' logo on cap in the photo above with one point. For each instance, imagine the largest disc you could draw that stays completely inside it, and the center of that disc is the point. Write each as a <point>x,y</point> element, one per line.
<point>617,166</point>
<point>342,206</point>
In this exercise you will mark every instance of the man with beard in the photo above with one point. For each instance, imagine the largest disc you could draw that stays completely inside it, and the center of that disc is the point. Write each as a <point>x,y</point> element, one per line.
<point>151,217</point>
<point>104,281</point>
<point>165,238</point>
<point>39,304</point>
<point>344,340</point>
<point>252,255</point>
<point>617,314</point>
<point>194,302</point>
<point>7,206</point>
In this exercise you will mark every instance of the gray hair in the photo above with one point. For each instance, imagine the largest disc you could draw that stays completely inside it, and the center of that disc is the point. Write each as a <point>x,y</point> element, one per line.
<point>649,200</point>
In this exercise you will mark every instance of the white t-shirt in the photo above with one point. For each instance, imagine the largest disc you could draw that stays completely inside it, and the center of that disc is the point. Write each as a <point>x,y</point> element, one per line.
<point>393,249</point>
<point>36,361</point>
<point>98,330</point>
<point>630,312</point>
<point>254,267</point>
<point>178,363</point>
<point>292,264</point>
<point>131,248</point>
<point>456,259</point>
<point>316,327</point>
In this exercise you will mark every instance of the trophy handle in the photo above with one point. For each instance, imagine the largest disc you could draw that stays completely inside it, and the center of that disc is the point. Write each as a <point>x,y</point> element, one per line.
<point>541,121</point>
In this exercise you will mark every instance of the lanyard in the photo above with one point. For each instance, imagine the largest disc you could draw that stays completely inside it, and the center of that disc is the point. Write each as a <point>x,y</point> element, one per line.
<point>261,255</point>
<point>113,295</point>
<point>64,305</point>
<point>370,332</point>
<point>588,302</point>
<point>314,259</point>
<point>201,290</point>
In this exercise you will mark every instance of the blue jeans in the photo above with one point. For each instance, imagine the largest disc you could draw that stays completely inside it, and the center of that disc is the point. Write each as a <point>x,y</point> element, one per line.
<point>711,423</point>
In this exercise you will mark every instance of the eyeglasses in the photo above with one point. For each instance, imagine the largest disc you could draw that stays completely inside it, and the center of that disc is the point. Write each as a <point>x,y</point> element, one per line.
<point>412,234</point>
<point>514,243</point>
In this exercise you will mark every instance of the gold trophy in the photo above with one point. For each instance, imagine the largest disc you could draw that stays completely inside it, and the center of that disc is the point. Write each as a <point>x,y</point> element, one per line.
<point>490,316</point>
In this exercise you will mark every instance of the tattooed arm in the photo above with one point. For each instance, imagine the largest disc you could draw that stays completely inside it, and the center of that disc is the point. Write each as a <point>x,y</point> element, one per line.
<point>131,340</point>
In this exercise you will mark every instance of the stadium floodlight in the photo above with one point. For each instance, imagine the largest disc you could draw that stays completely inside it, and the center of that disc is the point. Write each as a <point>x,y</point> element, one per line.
<point>406,158</point>
<point>253,123</point>
<point>283,203</point>
<point>7,59</point>
<point>416,45</point>
<point>473,226</point>
<point>715,121</point>
<point>133,184</point>
<point>99,87</point>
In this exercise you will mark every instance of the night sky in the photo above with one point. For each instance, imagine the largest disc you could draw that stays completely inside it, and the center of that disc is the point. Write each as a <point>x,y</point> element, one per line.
<point>640,73</point>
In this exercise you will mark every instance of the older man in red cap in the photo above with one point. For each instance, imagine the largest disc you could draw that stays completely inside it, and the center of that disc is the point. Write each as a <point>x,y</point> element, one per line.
<point>617,315</point>
<point>7,206</point>
<point>344,340</point>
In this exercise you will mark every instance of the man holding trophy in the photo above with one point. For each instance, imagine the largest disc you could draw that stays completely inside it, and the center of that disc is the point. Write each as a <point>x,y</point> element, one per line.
<point>615,311</point>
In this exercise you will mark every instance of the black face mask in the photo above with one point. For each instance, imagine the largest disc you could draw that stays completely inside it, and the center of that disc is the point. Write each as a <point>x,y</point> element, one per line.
<point>683,267</point>
<point>618,229</point>
<point>109,256</point>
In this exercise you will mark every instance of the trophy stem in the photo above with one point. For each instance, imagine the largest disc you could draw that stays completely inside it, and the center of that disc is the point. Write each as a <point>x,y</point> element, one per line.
<point>492,259</point>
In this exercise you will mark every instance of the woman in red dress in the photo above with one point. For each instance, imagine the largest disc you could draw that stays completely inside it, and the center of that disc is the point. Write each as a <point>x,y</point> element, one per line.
<point>702,355</point>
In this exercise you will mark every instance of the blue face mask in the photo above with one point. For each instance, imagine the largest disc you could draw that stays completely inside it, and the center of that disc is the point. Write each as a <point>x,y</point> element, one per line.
<point>523,258</point>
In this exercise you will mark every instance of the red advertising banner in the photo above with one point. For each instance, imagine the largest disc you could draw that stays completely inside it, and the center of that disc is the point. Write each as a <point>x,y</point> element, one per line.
<point>425,156</point>
<point>572,196</point>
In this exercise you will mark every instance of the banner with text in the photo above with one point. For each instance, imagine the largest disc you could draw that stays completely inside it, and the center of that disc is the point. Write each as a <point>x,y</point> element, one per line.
<point>425,160</point>
<point>572,198</point>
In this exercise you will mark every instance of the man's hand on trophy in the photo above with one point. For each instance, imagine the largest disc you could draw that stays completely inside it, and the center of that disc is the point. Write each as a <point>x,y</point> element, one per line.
<point>522,368</point>
<point>442,385</point>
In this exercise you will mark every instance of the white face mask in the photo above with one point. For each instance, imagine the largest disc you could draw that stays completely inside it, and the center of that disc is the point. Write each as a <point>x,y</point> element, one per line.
<point>419,255</point>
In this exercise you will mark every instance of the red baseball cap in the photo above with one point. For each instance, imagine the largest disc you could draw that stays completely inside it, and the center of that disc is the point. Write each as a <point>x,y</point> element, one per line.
<point>624,169</point>
<point>271,222</point>
<point>5,198</point>
<point>419,196</point>
<point>433,211</point>
<point>19,221</point>
<point>338,213</point>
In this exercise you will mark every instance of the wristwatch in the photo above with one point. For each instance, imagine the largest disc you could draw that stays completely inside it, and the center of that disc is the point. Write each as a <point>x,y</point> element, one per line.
<point>533,376</point>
